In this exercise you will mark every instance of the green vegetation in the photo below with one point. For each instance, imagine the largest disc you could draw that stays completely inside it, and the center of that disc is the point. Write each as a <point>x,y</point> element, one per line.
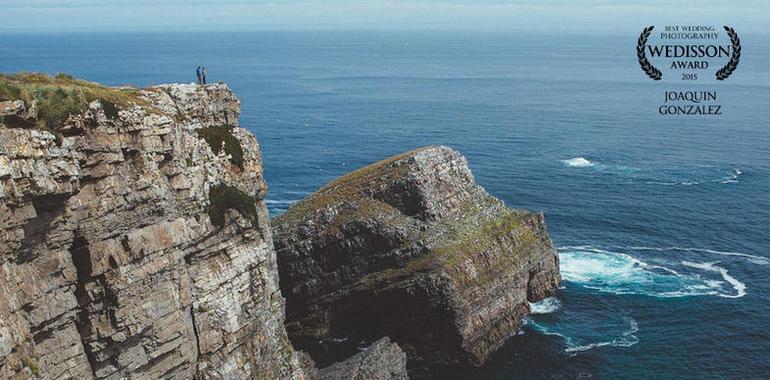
<point>496,245</point>
<point>30,363</point>
<point>223,197</point>
<point>223,134</point>
<point>203,309</point>
<point>350,186</point>
<point>425,262</point>
<point>110,110</point>
<point>487,235</point>
<point>56,105</point>
<point>367,209</point>
<point>466,237</point>
<point>60,96</point>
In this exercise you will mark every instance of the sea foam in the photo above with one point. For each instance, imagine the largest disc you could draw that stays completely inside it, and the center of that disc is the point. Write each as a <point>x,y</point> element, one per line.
<point>620,273</point>
<point>545,306</point>
<point>580,338</point>
<point>759,260</point>
<point>739,287</point>
<point>280,201</point>
<point>627,339</point>
<point>732,177</point>
<point>578,162</point>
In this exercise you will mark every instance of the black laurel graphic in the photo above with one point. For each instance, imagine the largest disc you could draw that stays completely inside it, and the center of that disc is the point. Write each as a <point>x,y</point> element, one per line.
<point>735,58</point>
<point>647,67</point>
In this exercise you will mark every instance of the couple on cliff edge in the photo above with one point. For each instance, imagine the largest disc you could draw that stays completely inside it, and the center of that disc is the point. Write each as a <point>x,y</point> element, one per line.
<point>200,72</point>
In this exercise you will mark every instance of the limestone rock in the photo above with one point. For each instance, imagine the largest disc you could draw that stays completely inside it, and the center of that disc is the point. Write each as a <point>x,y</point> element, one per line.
<point>111,267</point>
<point>412,248</point>
<point>383,360</point>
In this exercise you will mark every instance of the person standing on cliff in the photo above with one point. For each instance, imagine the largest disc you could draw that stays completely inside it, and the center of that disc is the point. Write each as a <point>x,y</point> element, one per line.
<point>198,74</point>
<point>203,75</point>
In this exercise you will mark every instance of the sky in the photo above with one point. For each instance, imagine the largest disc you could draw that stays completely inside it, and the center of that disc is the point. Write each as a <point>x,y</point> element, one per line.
<point>233,15</point>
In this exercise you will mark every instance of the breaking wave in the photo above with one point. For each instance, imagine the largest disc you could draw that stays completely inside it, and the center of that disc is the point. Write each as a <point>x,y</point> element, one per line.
<point>280,201</point>
<point>621,273</point>
<point>546,306</point>
<point>732,177</point>
<point>629,270</point>
<point>711,267</point>
<point>578,162</point>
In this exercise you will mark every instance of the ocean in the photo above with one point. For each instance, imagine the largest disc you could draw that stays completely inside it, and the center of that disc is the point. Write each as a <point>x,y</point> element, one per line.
<point>662,222</point>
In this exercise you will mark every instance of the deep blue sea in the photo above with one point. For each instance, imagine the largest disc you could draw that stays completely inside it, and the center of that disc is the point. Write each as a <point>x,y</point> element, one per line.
<point>662,223</point>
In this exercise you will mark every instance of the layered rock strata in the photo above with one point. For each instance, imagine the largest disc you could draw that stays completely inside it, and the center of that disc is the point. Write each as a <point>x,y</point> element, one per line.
<point>383,360</point>
<point>133,236</point>
<point>412,248</point>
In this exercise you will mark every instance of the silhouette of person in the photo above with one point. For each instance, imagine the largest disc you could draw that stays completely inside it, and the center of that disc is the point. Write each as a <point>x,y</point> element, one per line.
<point>198,74</point>
<point>203,74</point>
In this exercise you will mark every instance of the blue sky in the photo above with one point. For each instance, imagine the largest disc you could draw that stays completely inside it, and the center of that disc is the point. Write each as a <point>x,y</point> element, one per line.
<point>590,15</point>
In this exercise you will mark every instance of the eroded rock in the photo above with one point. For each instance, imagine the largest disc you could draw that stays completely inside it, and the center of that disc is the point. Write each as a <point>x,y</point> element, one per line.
<point>383,360</point>
<point>412,248</point>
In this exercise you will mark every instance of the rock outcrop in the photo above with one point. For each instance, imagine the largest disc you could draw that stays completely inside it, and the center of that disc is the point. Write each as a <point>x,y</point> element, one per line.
<point>133,236</point>
<point>383,360</point>
<point>412,248</point>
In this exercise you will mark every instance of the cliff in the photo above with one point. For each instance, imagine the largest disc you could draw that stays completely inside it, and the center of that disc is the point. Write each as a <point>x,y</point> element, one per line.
<point>133,236</point>
<point>412,248</point>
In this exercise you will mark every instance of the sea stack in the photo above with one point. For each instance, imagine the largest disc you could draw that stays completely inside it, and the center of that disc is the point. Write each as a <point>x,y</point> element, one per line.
<point>412,248</point>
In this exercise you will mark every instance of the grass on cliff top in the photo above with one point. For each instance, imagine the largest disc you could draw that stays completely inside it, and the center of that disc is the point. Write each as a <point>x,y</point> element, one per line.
<point>58,97</point>
<point>350,186</point>
<point>218,136</point>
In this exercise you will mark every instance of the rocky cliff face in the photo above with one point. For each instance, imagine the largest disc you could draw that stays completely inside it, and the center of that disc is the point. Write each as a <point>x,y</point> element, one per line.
<point>383,360</point>
<point>412,248</point>
<point>133,236</point>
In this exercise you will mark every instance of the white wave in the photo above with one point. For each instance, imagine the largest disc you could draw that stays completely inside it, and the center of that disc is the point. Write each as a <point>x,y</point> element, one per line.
<point>578,162</point>
<point>732,177</point>
<point>628,339</point>
<point>622,274</point>
<point>545,306</point>
<point>740,288</point>
<point>625,339</point>
<point>759,260</point>
<point>541,329</point>
<point>673,183</point>
<point>280,201</point>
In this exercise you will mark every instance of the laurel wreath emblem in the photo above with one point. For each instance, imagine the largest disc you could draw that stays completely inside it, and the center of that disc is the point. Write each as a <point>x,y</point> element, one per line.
<point>647,67</point>
<point>735,57</point>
